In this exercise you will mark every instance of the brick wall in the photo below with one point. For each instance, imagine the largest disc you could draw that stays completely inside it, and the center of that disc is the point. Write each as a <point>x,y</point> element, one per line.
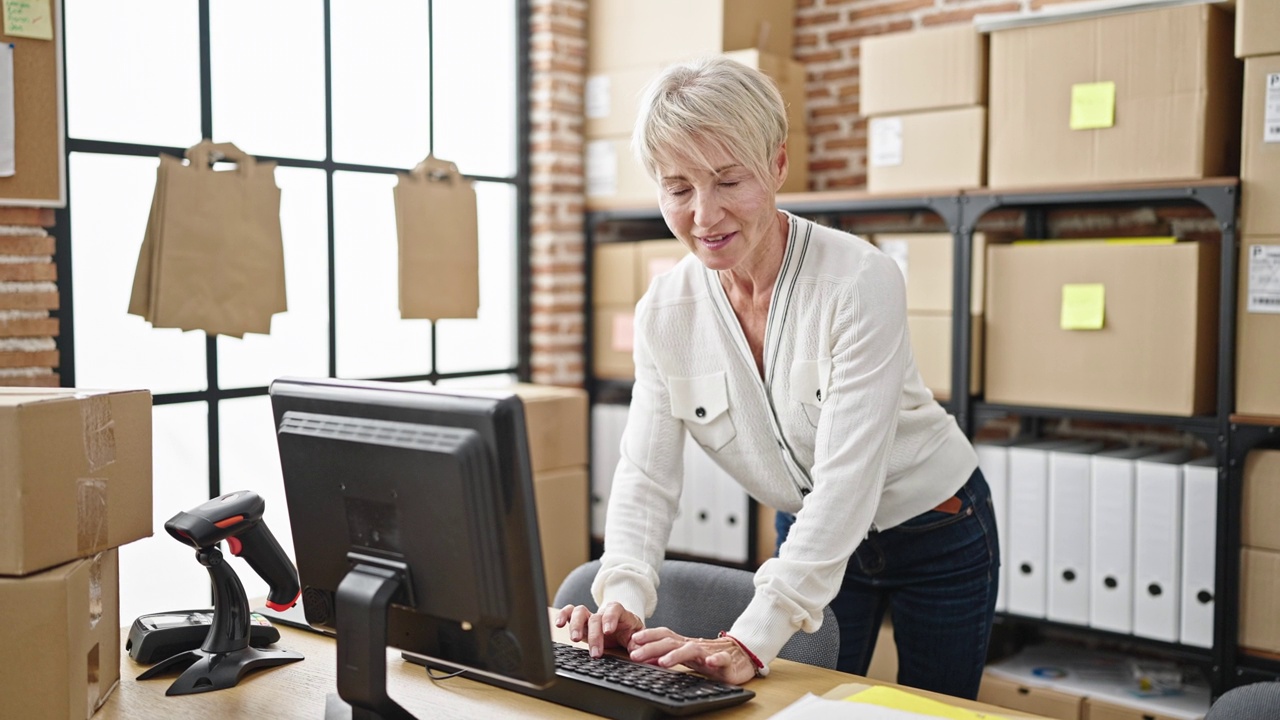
<point>558,299</point>
<point>827,37</point>
<point>28,354</point>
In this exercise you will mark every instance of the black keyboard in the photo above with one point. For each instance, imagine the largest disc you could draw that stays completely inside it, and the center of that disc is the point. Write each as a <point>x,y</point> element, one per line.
<point>620,689</point>
<point>650,690</point>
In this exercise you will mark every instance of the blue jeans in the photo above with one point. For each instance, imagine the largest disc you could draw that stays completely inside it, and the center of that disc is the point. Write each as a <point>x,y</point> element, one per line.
<point>937,574</point>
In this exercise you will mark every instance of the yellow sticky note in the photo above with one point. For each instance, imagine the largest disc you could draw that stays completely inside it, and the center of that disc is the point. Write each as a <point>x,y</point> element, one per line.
<point>28,18</point>
<point>902,700</point>
<point>1093,105</point>
<point>1083,306</point>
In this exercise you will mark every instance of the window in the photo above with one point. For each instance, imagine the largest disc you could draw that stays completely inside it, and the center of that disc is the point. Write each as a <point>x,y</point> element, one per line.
<point>341,94</point>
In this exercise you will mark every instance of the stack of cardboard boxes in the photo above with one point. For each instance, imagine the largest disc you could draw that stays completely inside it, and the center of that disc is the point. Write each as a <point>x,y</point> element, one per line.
<point>621,275</point>
<point>75,484</point>
<point>1258,329</point>
<point>629,43</point>
<point>1260,554</point>
<point>925,92</point>
<point>926,261</point>
<point>556,424</point>
<point>1129,97</point>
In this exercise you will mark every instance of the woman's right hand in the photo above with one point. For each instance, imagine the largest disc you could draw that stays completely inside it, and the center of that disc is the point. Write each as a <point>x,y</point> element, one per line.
<point>613,626</point>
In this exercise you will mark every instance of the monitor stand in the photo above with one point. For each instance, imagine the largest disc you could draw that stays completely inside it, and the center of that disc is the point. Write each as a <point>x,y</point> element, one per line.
<point>363,601</point>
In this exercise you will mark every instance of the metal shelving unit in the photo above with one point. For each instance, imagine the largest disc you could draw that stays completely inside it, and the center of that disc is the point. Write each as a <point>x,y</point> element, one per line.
<point>1230,439</point>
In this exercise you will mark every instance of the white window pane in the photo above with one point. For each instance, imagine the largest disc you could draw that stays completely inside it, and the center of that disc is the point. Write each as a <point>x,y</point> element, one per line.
<point>114,349</point>
<point>475,85</point>
<point>133,71</point>
<point>250,460</point>
<point>488,342</point>
<point>299,339</point>
<point>159,574</point>
<point>381,98</point>
<point>268,76</point>
<point>372,339</point>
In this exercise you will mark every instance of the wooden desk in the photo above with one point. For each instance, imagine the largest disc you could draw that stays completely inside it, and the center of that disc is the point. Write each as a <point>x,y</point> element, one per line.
<point>298,690</point>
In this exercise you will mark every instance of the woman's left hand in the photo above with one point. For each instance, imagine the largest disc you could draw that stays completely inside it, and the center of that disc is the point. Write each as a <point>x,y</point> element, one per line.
<point>718,658</point>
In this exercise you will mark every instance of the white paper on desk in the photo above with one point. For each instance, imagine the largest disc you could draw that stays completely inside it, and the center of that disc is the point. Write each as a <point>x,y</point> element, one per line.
<point>6,110</point>
<point>812,707</point>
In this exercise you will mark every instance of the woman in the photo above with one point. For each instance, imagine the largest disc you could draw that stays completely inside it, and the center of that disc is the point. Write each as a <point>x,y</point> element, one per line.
<point>781,347</point>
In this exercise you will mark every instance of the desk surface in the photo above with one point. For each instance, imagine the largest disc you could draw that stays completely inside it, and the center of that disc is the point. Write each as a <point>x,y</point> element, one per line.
<point>298,690</point>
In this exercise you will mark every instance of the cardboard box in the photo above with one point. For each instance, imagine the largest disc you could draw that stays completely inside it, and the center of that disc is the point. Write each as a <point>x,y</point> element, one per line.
<point>926,262</point>
<point>1260,600</point>
<point>75,474</point>
<point>1176,95</point>
<point>615,178</point>
<point>623,271</point>
<point>613,333</point>
<point>624,33</point>
<point>927,69</point>
<point>1260,146</point>
<point>931,346</point>
<point>1257,24</point>
<point>942,150</point>
<point>1007,693</point>
<point>1094,709</point>
<point>1156,349</point>
<point>555,420</point>
<point>1261,498</point>
<point>1258,331</point>
<point>61,639</point>
<point>561,500</point>
<point>613,98</point>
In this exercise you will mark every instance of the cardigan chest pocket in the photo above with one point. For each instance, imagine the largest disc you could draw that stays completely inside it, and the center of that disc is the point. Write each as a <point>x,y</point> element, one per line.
<point>702,402</point>
<point>809,384</point>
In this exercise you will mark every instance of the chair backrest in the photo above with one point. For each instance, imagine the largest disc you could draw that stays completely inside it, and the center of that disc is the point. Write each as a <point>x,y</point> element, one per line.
<point>1258,701</point>
<point>700,600</point>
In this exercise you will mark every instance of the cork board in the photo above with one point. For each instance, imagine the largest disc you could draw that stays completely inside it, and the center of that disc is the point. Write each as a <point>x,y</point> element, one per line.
<point>39,157</point>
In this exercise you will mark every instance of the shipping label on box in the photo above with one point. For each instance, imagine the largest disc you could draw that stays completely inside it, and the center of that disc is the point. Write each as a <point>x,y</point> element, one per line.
<point>1263,291</point>
<point>1260,147</point>
<point>75,474</point>
<point>1258,332</point>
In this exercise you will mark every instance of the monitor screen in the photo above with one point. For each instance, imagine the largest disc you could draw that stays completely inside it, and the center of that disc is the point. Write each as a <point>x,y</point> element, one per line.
<point>414,527</point>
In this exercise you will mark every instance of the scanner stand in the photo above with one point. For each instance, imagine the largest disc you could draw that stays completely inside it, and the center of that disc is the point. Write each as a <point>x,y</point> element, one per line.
<point>225,655</point>
<point>363,599</point>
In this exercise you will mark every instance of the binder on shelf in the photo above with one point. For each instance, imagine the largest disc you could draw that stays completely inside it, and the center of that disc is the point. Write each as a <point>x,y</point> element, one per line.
<point>1199,554</point>
<point>607,422</point>
<point>1111,539</point>
<point>700,489</point>
<point>1157,545</point>
<point>1068,545</point>
<point>732,509</point>
<point>993,460</point>
<point>1028,520</point>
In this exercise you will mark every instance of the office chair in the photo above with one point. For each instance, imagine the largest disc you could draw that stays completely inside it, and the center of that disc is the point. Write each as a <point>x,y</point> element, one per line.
<point>1257,701</point>
<point>700,600</point>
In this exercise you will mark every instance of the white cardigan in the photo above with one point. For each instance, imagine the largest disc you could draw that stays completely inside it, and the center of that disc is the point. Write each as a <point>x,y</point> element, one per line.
<point>841,431</point>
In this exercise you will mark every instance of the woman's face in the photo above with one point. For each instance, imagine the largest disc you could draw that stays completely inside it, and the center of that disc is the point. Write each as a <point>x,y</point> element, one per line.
<point>726,217</point>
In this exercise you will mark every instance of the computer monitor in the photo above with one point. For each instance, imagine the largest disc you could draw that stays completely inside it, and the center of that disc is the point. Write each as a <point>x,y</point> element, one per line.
<point>414,527</point>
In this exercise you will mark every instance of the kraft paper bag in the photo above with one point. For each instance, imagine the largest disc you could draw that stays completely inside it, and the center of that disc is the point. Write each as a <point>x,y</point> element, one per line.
<point>212,258</point>
<point>438,242</point>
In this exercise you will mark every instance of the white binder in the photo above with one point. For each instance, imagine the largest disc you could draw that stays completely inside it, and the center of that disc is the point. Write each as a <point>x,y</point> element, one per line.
<point>1028,524</point>
<point>1111,543</point>
<point>698,501</point>
<point>607,422</point>
<point>993,460</point>
<point>732,510</point>
<point>1068,544</point>
<point>1199,543</point>
<point>1157,545</point>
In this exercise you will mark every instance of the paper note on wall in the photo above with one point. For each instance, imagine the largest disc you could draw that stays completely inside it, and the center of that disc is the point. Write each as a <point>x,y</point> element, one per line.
<point>1083,306</point>
<point>28,18</point>
<point>7,153</point>
<point>1093,105</point>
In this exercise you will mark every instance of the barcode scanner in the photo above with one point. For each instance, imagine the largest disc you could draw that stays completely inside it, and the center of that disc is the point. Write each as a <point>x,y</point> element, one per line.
<point>237,518</point>
<point>225,656</point>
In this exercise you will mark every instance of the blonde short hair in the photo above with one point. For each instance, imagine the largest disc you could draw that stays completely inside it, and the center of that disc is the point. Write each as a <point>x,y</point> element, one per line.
<point>710,102</point>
